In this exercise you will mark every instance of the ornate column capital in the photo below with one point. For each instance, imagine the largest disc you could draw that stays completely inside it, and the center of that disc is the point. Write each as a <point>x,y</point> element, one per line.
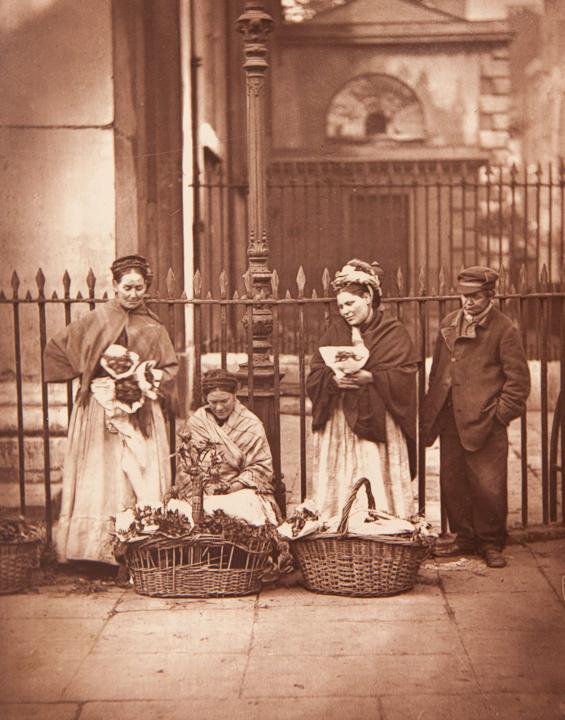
<point>255,24</point>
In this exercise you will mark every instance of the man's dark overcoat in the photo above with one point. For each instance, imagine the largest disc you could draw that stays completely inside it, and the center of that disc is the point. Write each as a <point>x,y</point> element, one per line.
<point>487,373</point>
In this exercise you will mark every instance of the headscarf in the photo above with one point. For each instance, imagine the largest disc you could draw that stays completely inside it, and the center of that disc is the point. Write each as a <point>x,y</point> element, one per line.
<point>219,379</point>
<point>131,262</point>
<point>358,273</point>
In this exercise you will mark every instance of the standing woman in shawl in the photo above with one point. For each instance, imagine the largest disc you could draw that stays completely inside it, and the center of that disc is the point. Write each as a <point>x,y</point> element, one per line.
<point>364,423</point>
<point>117,449</point>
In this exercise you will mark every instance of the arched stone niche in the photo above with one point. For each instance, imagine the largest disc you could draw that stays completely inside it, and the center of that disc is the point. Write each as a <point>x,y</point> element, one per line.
<point>375,108</point>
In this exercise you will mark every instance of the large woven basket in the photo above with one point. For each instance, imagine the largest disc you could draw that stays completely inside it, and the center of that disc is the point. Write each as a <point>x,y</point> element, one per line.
<point>196,566</point>
<point>342,564</point>
<point>17,560</point>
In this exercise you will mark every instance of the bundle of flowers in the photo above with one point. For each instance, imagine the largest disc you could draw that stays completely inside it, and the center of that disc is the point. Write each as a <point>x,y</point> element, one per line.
<point>234,529</point>
<point>14,530</point>
<point>304,520</point>
<point>183,512</point>
<point>414,528</point>
<point>344,359</point>
<point>129,381</point>
<point>199,463</point>
<point>168,520</point>
<point>307,520</point>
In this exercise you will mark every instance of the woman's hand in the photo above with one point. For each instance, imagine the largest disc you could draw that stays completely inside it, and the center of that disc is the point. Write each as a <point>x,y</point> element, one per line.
<point>235,486</point>
<point>361,377</point>
<point>344,383</point>
<point>354,381</point>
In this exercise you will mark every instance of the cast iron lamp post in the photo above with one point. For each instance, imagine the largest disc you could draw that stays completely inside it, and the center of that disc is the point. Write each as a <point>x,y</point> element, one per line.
<point>256,24</point>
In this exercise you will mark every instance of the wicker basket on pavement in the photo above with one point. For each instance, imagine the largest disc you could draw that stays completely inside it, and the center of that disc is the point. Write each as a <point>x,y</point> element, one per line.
<point>17,560</point>
<point>196,566</point>
<point>342,564</point>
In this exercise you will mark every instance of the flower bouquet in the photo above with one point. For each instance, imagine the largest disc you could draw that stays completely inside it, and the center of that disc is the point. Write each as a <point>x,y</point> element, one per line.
<point>129,381</point>
<point>344,359</point>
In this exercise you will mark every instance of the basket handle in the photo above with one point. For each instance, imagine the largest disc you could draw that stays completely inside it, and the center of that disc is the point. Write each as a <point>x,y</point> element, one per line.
<point>342,528</point>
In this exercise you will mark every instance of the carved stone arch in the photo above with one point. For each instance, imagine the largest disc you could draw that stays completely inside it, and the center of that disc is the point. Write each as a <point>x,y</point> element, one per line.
<point>375,107</point>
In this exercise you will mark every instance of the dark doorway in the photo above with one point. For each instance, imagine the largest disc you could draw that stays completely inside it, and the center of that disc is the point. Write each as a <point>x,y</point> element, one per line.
<point>379,227</point>
<point>376,124</point>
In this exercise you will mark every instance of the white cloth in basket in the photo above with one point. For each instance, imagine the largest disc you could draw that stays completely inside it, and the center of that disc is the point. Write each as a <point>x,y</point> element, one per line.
<point>243,504</point>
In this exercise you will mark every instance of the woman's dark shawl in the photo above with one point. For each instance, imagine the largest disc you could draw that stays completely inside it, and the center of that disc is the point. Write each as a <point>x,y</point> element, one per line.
<point>392,362</point>
<point>76,350</point>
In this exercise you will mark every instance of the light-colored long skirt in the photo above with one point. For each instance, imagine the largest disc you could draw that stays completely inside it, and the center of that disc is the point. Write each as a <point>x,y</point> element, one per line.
<point>341,458</point>
<point>102,475</point>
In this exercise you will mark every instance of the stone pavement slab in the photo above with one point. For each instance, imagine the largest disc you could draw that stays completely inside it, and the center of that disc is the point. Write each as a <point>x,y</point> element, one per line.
<point>350,708</point>
<point>39,711</point>
<point>493,611</point>
<point>38,676</point>
<point>60,603</point>
<point>522,643</point>
<point>373,610</point>
<point>157,675</point>
<point>344,638</point>
<point>541,674</point>
<point>487,706</point>
<point>70,636</point>
<point>551,563</point>
<point>130,602</point>
<point>356,676</point>
<point>473,577</point>
<point>183,631</point>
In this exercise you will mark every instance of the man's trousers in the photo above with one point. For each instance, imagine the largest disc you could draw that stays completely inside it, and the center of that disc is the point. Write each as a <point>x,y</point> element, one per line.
<point>474,485</point>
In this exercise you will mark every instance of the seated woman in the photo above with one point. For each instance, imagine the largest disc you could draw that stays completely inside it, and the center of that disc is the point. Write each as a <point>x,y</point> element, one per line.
<point>240,436</point>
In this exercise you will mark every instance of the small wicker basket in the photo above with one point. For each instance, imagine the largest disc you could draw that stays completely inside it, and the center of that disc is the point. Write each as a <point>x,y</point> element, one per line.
<point>196,566</point>
<point>17,560</point>
<point>342,564</point>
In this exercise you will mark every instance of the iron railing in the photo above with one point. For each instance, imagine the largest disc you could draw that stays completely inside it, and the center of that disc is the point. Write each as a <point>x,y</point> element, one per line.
<point>413,217</point>
<point>421,220</point>
<point>539,312</point>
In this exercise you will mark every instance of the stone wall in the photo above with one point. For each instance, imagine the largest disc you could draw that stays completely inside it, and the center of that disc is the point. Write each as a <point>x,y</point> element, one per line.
<point>56,139</point>
<point>57,151</point>
<point>494,104</point>
<point>464,92</point>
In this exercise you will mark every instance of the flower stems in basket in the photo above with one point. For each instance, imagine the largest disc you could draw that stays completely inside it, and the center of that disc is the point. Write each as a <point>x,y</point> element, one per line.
<point>198,482</point>
<point>200,462</point>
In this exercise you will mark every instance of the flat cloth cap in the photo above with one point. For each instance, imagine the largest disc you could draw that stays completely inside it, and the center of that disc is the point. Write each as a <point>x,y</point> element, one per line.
<point>475,278</point>
<point>219,379</point>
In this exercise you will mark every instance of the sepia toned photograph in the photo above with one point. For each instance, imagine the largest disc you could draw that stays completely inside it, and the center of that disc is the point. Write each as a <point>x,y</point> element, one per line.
<point>282,361</point>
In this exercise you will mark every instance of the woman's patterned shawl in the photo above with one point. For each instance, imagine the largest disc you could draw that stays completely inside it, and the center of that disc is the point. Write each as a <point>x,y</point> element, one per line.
<point>243,443</point>
<point>392,362</point>
<point>76,350</point>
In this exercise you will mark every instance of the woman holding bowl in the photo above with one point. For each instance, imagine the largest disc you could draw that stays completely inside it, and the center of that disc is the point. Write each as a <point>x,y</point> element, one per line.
<point>364,421</point>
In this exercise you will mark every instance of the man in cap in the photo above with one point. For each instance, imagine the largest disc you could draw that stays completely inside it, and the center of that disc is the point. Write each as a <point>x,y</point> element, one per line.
<point>479,382</point>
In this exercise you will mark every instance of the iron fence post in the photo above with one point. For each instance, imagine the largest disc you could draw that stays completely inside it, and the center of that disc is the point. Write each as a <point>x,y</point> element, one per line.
<point>255,24</point>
